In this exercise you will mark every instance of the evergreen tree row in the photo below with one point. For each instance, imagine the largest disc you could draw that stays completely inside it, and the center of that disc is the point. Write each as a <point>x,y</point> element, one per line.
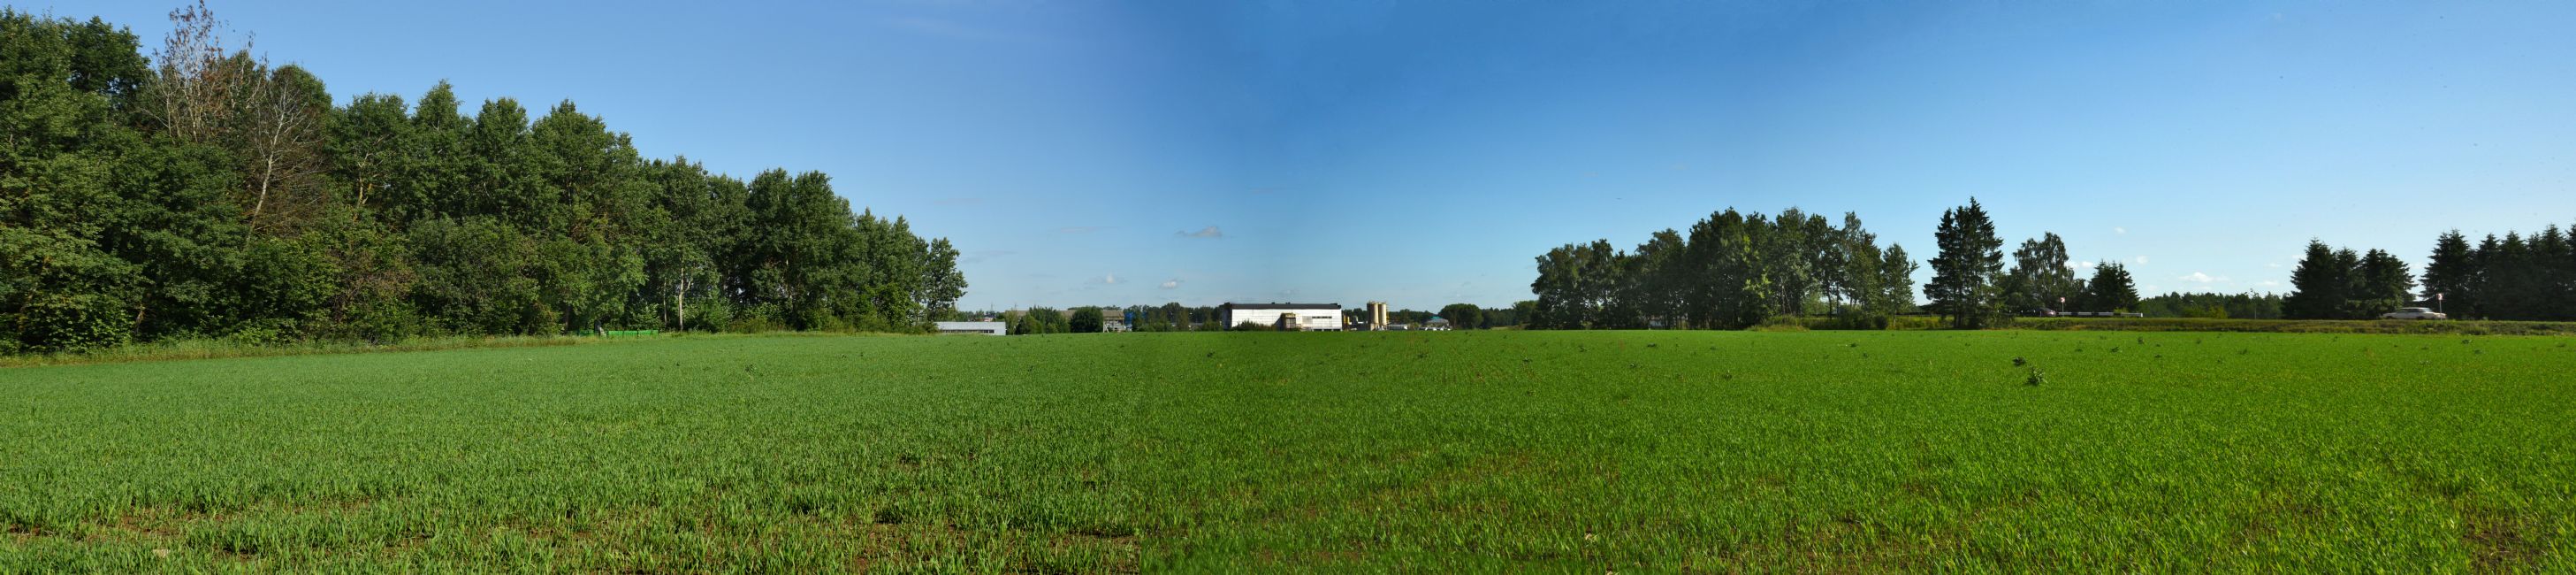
<point>2342,284</point>
<point>205,193</point>
<point>2213,305</point>
<point>2517,277</point>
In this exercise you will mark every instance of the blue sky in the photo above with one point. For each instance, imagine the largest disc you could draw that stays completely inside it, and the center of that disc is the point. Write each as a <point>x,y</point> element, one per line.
<point>1423,153</point>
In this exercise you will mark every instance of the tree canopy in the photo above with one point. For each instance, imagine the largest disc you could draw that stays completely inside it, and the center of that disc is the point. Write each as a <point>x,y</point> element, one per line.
<point>1731,270</point>
<point>1965,275</point>
<point>207,193</point>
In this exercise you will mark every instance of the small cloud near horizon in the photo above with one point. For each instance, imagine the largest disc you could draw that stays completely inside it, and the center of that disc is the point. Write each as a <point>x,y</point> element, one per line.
<point>1109,279</point>
<point>1171,284</point>
<point>2142,260</point>
<point>1209,232</point>
<point>2198,277</point>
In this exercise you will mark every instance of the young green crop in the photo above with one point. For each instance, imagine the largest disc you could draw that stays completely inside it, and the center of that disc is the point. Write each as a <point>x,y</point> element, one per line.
<point>1333,452</point>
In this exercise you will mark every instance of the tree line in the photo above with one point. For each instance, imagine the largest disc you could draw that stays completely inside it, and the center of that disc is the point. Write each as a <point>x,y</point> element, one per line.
<point>203,192</point>
<point>1735,270</point>
<point>2335,283</point>
<point>2516,277</point>
<point>1732,270</point>
<point>2213,305</point>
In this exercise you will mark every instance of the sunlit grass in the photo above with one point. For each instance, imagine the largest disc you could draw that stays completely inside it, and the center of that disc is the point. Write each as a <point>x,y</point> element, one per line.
<point>1459,451</point>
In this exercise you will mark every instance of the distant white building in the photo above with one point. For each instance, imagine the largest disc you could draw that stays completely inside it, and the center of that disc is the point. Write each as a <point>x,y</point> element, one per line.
<point>982,327</point>
<point>1287,316</point>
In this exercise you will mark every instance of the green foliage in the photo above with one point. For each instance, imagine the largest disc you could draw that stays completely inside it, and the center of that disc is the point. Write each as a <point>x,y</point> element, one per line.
<point>2518,277</point>
<point>1463,315</point>
<point>2212,306</point>
<point>2042,278</point>
<point>210,194</point>
<point>2340,284</point>
<point>1040,321</point>
<point>1730,271</point>
<point>1086,319</point>
<point>2111,289</point>
<point>1966,274</point>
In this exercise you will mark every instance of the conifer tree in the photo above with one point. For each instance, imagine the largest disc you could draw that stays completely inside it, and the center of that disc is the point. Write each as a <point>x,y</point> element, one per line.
<point>1965,273</point>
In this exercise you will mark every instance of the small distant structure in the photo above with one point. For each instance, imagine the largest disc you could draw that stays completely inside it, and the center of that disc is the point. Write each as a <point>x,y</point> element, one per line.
<point>1285,316</point>
<point>1436,323</point>
<point>974,327</point>
<point>1117,320</point>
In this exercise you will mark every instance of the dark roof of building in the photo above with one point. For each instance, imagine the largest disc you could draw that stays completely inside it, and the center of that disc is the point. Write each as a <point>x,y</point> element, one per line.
<point>1232,305</point>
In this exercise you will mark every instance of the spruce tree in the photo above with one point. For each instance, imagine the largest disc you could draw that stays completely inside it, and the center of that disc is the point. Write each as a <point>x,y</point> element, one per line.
<point>2447,275</point>
<point>2349,306</point>
<point>2385,285</point>
<point>2316,287</point>
<point>2111,289</point>
<point>1965,272</point>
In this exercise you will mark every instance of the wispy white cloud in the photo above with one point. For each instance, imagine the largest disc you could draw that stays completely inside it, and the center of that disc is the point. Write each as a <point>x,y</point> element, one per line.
<point>1209,232</point>
<point>2198,277</point>
<point>2142,260</point>
<point>1109,278</point>
<point>2119,230</point>
<point>2268,283</point>
<point>1171,284</point>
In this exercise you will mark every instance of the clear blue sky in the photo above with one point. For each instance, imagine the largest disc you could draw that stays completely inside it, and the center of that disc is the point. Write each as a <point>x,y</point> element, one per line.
<point>1424,152</point>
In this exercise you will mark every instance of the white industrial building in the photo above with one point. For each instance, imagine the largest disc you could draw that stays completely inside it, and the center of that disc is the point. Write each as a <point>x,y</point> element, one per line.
<point>1287,316</point>
<point>982,327</point>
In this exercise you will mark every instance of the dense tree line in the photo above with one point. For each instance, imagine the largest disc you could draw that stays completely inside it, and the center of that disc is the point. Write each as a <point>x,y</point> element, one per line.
<point>2516,277</point>
<point>1732,270</point>
<point>1173,317</point>
<point>206,193</point>
<point>1039,321</point>
<point>1735,270</point>
<point>2213,305</point>
<point>2341,284</point>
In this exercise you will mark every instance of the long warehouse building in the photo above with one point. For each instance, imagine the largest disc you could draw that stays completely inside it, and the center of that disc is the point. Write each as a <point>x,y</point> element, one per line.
<point>1288,316</point>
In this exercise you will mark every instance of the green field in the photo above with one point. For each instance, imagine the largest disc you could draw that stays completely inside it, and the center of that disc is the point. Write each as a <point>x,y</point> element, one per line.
<point>1421,452</point>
